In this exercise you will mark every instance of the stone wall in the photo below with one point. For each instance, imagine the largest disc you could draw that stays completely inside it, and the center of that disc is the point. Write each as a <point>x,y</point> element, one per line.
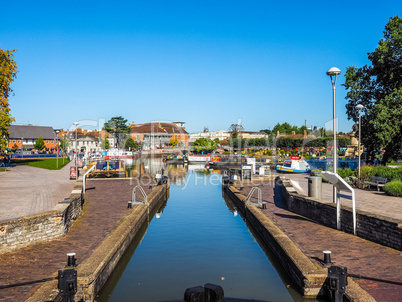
<point>376,228</point>
<point>32,229</point>
<point>308,278</point>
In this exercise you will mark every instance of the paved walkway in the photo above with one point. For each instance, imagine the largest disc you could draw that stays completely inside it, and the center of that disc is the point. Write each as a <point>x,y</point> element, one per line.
<point>370,201</point>
<point>106,207</point>
<point>382,265</point>
<point>27,190</point>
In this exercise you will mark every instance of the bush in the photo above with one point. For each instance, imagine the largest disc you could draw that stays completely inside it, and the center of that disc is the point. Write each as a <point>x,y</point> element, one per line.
<point>389,173</point>
<point>366,172</point>
<point>346,172</point>
<point>393,188</point>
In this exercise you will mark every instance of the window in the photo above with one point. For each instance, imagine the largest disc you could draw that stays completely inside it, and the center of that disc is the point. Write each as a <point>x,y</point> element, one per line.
<point>47,141</point>
<point>14,141</point>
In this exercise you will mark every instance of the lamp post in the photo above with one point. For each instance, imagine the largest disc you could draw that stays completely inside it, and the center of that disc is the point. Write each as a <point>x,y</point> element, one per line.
<point>333,72</point>
<point>22,147</point>
<point>359,107</point>
<point>76,150</point>
<point>57,148</point>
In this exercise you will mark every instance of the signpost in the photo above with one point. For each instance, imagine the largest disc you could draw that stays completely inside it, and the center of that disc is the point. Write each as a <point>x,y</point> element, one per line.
<point>341,185</point>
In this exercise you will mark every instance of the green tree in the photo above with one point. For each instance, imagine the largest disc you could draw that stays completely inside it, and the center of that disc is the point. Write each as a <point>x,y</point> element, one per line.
<point>64,144</point>
<point>118,127</point>
<point>39,144</point>
<point>105,144</point>
<point>173,141</point>
<point>378,88</point>
<point>235,130</point>
<point>8,72</point>
<point>130,144</point>
<point>204,144</point>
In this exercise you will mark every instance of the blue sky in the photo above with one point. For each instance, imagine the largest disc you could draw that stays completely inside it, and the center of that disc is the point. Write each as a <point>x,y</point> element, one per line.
<point>207,63</point>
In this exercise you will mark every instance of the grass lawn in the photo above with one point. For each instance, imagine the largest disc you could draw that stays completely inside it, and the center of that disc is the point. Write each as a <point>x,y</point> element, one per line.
<point>45,163</point>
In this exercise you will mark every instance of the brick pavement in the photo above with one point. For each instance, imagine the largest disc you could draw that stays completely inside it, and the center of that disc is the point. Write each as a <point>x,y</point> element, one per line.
<point>360,256</point>
<point>27,190</point>
<point>106,207</point>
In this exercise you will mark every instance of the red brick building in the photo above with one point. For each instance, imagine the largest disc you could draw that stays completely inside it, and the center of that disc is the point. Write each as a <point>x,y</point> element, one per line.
<point>159,134</point>
<point>25,136</point>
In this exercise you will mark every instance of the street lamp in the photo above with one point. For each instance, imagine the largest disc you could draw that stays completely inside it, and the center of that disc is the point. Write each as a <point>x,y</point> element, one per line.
<point>76,150</point>
<point>22,147</point>
<point>333,73</point>
<point>359,107</point>
<point>57,148</point>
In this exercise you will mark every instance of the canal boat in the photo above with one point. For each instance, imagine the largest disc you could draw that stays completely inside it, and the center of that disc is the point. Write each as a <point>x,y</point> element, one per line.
<point>294,165</point>
<point>227,160</point>
<point>108,168</point>
<point>175,159</point>
<point>196,159</point>
<point>117,154</point>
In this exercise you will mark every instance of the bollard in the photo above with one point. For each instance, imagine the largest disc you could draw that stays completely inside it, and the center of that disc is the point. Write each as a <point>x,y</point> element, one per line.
<point>194,294</point>
<point>129,205</point>
<point>71,259</point>
<point>327,257</point>
<point>67,279</point>
<point>264,205</point>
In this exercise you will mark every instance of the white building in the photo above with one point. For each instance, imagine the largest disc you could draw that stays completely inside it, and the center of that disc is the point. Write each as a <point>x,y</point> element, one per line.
<point>220,134</point>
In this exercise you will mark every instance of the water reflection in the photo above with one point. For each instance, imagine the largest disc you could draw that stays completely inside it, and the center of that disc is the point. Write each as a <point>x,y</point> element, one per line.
<point>199,239</point>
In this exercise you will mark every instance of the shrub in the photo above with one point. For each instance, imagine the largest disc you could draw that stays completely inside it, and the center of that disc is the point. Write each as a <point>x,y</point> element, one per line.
<point>366,172</point>
<point>389,173</point>
<point>346,172</point>
<point>393,188</point>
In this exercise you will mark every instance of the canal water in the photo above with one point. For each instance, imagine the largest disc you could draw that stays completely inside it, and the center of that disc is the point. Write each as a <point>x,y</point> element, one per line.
<point>198,237</point>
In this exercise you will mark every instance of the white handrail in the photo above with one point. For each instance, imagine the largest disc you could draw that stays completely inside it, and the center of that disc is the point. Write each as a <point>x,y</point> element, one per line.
<point>258,196</point>
<point>143,194</point>
<point>84,177</point>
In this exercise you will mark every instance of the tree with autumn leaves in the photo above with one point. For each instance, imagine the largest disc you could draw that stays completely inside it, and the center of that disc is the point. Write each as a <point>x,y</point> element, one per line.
<point>8,72</point>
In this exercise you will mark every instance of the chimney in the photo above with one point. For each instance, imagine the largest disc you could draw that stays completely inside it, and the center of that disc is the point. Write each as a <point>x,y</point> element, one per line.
<point>293,133</point>
<point>277,133</point>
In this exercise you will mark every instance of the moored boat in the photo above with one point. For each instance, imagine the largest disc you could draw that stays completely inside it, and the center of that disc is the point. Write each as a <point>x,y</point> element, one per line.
<point>198,158</point>
<point>294,165</point>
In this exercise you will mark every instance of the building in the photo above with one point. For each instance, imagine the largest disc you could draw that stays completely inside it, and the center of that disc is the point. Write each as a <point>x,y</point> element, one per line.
<point>159,134</point>
<point>23,137</point>
<point>87,140</point>
<point>220,134</point>
<point>252,134</point>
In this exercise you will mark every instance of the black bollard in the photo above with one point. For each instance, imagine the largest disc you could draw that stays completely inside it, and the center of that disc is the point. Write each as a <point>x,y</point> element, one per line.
<point>71,260</point>
<point>327,257</point>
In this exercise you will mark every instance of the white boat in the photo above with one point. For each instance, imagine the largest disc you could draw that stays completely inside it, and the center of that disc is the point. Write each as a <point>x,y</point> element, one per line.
<point>116,153</point>
<point>294,165</point>
<point>198,158</point>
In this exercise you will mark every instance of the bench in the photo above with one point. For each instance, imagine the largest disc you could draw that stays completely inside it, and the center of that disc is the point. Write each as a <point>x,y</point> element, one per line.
<point>376,181</point>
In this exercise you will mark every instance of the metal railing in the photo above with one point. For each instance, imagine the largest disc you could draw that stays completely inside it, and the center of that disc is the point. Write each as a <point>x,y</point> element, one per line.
<point>133,198</point>
<point>250,194</point>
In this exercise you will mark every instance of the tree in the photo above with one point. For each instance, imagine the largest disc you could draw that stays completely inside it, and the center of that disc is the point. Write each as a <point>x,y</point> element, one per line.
<point>130,144</point>
<point>64,144</point>
<point>8,72</point>
<point>105,144</point>
<point>378,88</point>
<point>39,144</point>
<point>173,141</point>
<point>204,144</point>
<point>235,129</point>
<point>118,126</point>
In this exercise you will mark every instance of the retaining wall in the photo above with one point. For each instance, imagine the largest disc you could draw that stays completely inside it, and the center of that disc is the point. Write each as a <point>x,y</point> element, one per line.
<point>32,229</point>
<point>376,228</point>
<point>309,279</point>
<point>94,272</point>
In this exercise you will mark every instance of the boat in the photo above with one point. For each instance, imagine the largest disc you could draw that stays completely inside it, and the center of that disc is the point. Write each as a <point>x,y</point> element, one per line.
<point>174,159</point>
<point>294,165</point>
<point>227,160</point>
<point>108,168</point>
<point>116,154</point>
<point>198,158</point>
